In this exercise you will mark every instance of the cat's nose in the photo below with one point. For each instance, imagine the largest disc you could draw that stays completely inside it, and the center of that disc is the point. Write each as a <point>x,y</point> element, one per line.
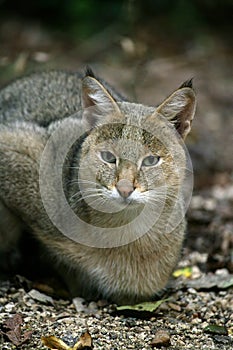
<point>125,188</point>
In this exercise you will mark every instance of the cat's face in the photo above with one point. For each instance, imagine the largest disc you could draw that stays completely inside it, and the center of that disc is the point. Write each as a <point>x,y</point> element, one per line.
<point>133,154</point>
<point>125,165</point>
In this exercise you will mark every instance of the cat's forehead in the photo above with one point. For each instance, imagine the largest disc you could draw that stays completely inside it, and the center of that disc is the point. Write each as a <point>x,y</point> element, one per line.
<point>135,112</point>
<point>136,131</point>
<point>123,133</point>
<point>146,120</point>
<point>127,141</point>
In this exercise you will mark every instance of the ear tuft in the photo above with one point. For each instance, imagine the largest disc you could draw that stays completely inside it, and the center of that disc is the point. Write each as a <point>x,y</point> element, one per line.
<point>89,72</point>
<point>187,83</point>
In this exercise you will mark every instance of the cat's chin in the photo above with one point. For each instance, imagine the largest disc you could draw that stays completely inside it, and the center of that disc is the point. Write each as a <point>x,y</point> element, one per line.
<point>127,203</point>
<point>119,204</point>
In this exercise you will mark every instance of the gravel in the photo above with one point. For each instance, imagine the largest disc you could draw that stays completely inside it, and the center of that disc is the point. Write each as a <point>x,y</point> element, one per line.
<point>184,320</point>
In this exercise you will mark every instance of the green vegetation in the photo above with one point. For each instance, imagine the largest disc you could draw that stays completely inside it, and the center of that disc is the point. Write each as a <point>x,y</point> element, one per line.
<point>86,17</point>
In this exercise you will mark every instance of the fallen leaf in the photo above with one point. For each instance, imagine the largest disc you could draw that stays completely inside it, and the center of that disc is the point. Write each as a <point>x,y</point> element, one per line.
<point>15,334</point>
<point>13,322</point>
<point>84,342</point>
<point>185,272</point>
<point>55,343</point>
<point>147,306</point>
<point>216,329</point>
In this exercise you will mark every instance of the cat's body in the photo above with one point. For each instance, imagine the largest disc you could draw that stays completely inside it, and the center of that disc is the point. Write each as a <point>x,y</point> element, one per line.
<point>113,174</point>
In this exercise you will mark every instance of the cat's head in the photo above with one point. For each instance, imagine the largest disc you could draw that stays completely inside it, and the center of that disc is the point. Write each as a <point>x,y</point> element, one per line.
<point>132,152</point>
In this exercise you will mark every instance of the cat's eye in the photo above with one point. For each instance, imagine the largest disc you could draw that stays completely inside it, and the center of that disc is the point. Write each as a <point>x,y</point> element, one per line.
<point>150,160</point>
<point>108,157</point>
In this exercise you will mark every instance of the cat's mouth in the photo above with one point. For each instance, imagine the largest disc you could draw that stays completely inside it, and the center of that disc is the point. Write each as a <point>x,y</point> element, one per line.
<point>132,199</point>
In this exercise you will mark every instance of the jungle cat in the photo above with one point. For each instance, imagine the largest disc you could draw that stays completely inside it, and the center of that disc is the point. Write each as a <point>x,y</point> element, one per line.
<point>121,177</point>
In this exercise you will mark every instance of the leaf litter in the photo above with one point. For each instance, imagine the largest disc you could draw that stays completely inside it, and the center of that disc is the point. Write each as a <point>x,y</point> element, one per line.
<point>14,331</point>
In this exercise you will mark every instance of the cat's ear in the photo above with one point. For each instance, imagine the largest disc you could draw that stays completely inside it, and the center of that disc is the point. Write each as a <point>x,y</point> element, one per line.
<point>179,108</point>
<point>97,102</point>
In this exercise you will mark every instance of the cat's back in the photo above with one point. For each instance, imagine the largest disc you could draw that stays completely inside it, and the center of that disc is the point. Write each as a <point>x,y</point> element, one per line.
<point>41,97</point>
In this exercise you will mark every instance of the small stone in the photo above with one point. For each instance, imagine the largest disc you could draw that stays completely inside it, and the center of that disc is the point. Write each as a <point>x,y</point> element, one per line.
<point>9,307</point>
<point>196,202</point>
<point>92,306</point>
<point>192,291</point>
<point>69,339</point>
<point>102,303</point>
<point>174,307</point>
<point>38,296</point>
<point>210,204</point>
<point>128,45</point>
<point>223,339</point>
<point>196,272</point>
<point>41,57</point>
<point>162,338</point>
<point>222,272</point>
<point>80,304</point>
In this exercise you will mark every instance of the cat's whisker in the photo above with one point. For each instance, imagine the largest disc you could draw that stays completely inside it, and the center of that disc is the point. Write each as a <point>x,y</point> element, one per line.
<point>81,181</point>
<point>159,200</point>
<point>97,201</point>
<point>75,203</point>
<point>94,190</point>
<point>168,194</point>
<point>86,181</point>
<point>87,190</point>
<point>162,196</point>
<point>85,197</point>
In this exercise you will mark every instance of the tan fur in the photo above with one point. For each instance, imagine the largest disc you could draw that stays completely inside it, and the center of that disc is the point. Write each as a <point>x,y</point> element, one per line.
<point>30,110</point>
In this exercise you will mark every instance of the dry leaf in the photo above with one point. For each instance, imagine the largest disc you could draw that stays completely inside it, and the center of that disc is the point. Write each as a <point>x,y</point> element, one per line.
<point>54,343</point>
<point>84,342</point>
<point>15,334</point>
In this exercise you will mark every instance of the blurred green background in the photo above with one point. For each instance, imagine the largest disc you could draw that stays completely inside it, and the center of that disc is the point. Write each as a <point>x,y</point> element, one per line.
<point>81,18</point>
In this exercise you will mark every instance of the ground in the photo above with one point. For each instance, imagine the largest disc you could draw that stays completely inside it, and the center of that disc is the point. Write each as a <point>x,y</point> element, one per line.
<point>202,296</point>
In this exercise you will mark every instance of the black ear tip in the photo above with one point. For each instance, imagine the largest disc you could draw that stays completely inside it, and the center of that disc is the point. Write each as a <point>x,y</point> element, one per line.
<point>89,72</point>
<point>187,83</point>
